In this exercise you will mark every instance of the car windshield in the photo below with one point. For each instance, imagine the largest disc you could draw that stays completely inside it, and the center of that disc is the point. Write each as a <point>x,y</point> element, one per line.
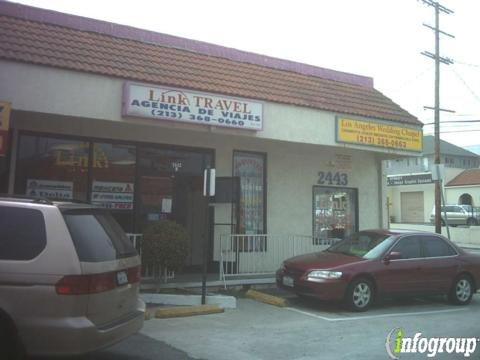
<point>368,245</point>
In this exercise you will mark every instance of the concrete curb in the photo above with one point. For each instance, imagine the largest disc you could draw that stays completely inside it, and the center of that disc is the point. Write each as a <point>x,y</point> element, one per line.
<point>224,301</point>
<point>266,298</point>
<point>182,311</point>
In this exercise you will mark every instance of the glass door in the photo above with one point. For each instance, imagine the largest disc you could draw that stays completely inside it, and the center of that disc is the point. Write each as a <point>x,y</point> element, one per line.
<point>335,212</point>
<point>170,187</point>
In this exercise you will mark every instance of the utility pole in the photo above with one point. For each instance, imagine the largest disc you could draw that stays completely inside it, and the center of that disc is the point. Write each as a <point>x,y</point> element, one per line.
<point>438,59</point>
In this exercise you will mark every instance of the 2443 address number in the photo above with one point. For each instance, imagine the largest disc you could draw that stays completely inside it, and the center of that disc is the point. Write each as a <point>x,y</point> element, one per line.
<point>332,178</point>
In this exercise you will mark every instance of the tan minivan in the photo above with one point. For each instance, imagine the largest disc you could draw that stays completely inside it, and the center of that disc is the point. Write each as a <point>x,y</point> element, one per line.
<point>69,279</point>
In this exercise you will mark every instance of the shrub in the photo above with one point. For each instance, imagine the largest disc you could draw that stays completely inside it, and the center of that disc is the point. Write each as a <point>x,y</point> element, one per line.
<point>165,245</point>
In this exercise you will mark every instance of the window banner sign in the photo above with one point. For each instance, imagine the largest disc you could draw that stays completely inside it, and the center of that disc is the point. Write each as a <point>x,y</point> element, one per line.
<point>410,179</point>
<point>191,107</point>
<point>377,134</point>
<point>113,195</point>
<point>51,189</point>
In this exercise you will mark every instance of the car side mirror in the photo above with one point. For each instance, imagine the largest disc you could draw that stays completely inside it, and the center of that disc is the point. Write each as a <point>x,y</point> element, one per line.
<point>393,255</point>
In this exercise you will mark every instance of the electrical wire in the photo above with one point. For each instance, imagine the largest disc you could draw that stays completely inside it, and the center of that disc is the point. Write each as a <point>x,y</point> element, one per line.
<point>466,85</point>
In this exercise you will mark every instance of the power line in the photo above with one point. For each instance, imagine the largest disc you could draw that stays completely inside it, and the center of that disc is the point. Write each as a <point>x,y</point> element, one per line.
<point>412,79</point>
<point>466,64</point>
<point>466,85</point>
<point>454,121</point>
<point>455,131</point>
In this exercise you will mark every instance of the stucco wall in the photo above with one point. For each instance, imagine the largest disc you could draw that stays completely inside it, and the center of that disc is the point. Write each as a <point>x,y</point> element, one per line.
<point>453,194</point>
<point>394,193</point>
<point>51,90</point>
<point>292,169</point>
<point>299,142</point>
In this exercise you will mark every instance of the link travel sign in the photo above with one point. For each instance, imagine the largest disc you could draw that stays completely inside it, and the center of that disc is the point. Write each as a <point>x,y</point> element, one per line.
<point>377,134</point>
<point>191,107</point>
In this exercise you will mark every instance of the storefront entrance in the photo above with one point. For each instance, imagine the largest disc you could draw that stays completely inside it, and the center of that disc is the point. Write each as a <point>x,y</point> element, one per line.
<point>335,212</point>
<point>170,187</point>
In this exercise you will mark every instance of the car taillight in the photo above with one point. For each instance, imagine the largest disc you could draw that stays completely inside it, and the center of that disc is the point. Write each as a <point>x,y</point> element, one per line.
<point>73,285</point>
<point>93,283</point>
<point>134,274</point>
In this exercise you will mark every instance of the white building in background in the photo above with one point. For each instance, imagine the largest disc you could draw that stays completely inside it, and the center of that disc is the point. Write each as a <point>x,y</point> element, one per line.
<point>410,188</point>
<point>464,188</point>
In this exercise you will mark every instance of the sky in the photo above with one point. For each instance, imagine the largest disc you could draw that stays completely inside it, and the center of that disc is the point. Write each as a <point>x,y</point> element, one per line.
<point>382,39</point>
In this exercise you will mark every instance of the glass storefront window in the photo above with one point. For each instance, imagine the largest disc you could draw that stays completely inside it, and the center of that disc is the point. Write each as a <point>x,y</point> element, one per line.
<point>250,168</point>
<point>113,180</point>
<point>170,187</point>
<point>334,212</point>
<point>52,168</point>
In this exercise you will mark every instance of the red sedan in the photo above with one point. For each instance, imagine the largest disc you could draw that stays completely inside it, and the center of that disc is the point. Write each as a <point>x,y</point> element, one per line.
<point>372,263</point>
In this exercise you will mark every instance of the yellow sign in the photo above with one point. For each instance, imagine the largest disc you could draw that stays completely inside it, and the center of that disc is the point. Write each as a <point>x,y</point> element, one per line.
<point>4,115</point>
<point>371,133</point>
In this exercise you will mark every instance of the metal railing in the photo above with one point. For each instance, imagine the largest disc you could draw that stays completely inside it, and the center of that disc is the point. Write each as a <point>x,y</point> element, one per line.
<point>263,254</point>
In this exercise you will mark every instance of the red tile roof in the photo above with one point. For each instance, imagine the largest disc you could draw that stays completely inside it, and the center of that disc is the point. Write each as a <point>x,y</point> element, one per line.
<point>467,177</point>
<point>83,49</point>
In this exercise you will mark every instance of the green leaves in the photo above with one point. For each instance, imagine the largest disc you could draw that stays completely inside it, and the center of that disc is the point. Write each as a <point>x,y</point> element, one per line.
<point>165,244</point>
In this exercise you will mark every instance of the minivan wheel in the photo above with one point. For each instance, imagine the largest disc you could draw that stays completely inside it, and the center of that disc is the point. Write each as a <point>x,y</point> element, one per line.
<point>10,346</point>
<point>359,295</point>
<point>462,290</point>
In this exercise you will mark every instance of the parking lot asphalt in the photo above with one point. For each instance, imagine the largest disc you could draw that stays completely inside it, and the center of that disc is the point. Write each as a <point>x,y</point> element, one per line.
<point>136,347</point>
<point>314,330</point>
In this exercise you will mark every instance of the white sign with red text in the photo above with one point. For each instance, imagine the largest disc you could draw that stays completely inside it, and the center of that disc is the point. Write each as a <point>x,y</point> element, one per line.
<point>113,195</point>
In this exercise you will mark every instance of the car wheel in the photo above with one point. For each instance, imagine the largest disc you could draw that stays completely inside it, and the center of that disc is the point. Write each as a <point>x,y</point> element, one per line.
<point>359,295</point>
<point>471,222</point>
<point>10,346</point>
<point>462,290</point>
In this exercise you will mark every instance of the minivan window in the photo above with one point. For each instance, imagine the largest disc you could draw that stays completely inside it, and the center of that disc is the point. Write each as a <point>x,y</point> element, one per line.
<point>97,236</point>
<point>435,247</point>
<point>22,233</point>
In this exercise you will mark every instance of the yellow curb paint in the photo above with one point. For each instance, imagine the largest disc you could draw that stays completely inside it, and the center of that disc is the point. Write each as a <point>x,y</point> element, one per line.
<point>266,298</point>
<point>180,311</point>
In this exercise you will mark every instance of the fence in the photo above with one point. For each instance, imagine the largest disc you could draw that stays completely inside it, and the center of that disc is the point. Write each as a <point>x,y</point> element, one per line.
<point>242,255</point>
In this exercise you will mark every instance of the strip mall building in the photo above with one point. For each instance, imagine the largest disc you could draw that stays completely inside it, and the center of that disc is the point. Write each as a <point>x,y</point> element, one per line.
<point>129,119</point>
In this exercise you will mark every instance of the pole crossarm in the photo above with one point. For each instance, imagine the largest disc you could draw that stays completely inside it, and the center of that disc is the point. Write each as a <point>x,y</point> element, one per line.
<point>444,110</point>
<point>437,4</point>
<point>443,60</point>
<point>440,31</point>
